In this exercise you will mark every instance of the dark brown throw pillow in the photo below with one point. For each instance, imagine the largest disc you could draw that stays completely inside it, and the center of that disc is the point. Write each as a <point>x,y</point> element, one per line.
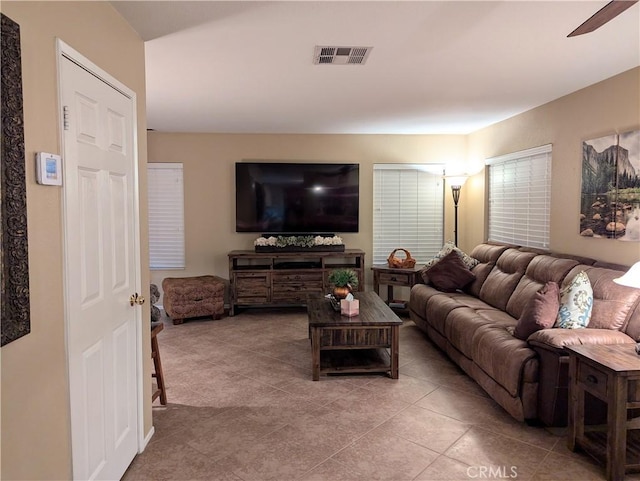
<point>424,276</point>
<point>540,312</point>
<point>450,273</point>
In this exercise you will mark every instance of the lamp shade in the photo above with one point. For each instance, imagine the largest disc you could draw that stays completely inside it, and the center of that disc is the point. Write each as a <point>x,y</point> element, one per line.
<point>457,180</point>
<point>631,278</point>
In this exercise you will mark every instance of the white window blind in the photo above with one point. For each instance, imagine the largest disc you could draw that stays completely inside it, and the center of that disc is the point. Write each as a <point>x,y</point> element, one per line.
<point>408,210</point>
<point>520,197</point>
<point>166,215</point>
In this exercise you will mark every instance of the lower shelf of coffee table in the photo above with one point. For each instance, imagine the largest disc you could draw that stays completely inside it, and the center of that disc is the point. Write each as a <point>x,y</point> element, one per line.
<point>353,361</point>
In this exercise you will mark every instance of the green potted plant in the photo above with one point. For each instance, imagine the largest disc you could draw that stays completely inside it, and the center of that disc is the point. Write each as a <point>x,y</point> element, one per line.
<point>343,281</point>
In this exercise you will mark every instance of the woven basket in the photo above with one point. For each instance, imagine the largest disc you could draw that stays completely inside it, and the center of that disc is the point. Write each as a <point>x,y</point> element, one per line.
<point>407,263</point>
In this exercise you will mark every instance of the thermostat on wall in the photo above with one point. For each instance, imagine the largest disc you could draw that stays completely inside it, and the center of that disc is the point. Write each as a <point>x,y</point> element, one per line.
<point>48,168</point>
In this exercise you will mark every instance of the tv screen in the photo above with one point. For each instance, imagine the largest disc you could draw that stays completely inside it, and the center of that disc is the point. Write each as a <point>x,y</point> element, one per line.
<point>296,198</point>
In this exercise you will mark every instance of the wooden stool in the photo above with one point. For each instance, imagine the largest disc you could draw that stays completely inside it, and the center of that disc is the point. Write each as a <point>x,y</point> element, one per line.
<point>157,365</point>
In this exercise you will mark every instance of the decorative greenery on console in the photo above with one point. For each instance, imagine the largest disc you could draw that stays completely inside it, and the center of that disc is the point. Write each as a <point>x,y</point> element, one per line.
<point>297,241</point>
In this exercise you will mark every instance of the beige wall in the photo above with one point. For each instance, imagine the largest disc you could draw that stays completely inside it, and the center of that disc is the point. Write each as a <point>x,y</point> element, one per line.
<point>209,161</point>
<point>35,410</point>
<point>611,106</point>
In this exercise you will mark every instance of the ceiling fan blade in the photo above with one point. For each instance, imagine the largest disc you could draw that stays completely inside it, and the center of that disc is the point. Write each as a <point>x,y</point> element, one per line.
<point>602,16</point>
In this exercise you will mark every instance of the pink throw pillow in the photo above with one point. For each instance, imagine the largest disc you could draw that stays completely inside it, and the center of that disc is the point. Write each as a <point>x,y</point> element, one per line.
<point>540,312</point>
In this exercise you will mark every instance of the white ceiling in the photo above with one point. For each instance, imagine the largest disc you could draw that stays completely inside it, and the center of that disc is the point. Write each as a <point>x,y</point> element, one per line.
<point>435,67</point>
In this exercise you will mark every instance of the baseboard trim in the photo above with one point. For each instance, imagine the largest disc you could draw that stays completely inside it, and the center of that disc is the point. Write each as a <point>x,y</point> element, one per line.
<point>147,438</point>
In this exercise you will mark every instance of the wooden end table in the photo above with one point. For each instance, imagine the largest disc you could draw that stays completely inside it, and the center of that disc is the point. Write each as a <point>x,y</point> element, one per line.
<point>365,343</point>
<point>391,276</point>
<point>611,373</point>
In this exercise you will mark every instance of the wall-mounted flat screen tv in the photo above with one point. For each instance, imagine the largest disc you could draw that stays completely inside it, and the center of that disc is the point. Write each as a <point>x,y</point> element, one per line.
<point>297,198</point>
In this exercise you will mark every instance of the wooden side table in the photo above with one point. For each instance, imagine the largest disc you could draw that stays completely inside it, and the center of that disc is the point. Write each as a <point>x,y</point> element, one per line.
<point>611,373</point>
<point>390,276</point>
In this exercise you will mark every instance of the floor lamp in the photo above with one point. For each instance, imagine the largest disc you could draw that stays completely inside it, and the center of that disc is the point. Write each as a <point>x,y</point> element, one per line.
<point>456,182</point>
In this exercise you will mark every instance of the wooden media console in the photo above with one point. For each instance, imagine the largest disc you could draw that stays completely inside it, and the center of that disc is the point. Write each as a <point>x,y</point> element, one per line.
<point>267,279</point>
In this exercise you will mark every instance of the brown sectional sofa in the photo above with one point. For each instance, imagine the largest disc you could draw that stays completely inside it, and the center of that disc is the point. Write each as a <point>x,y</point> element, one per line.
<point>474,327</point>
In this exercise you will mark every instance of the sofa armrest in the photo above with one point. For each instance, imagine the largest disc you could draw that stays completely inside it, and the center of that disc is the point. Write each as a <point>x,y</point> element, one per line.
<point>557,339</point>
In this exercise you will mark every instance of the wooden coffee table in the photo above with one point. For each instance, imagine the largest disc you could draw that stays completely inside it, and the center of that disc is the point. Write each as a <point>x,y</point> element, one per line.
<point>361,344</point>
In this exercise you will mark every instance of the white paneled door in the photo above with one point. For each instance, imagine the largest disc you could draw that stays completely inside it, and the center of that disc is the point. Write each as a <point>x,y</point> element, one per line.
<point>101,254</point>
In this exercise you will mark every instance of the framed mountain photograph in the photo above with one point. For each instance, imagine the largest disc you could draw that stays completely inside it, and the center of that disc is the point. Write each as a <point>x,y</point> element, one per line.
<point>610,194</point>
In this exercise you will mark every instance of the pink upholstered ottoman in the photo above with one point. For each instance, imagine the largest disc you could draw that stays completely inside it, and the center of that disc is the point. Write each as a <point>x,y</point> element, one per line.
<point>193,297</point>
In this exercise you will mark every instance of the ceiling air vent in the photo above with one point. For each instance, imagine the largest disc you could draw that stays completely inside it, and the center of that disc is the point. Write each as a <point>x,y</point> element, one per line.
<point>341,55</point>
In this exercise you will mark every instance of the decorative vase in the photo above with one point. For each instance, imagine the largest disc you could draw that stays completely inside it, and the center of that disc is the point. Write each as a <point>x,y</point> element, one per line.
<point>341,292</point>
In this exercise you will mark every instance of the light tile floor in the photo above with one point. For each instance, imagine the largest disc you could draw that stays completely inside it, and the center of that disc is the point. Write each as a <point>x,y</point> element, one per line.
<point>242,406</point>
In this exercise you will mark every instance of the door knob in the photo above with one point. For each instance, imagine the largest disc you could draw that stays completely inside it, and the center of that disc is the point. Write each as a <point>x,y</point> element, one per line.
<point>136,299</point>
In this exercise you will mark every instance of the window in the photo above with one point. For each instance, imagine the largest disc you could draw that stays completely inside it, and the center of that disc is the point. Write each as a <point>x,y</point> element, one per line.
<point>166,216</point>
<point>408,210</point>
<point>520,197</point>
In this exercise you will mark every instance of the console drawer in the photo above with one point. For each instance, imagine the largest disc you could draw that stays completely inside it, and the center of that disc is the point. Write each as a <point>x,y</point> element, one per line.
<point>294,277</point>
<point>251,300</point>
<point>293,287</point>
<point>593,380</point>
<point>292,297</point>
<point>248,280</point>
<point>252,287</point>
<point>393,279</point>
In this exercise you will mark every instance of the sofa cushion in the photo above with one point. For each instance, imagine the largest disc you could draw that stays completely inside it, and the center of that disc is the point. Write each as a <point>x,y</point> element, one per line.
<point>487,255</point>
<point>435,306</point>
<point>450,274</point>
<point>504,277</point>
<point>541,269</point>
<point>576,301</point>
<point>540,312</point>
<point>419,295</point>
<point>557,339</point>
<point>437,310</point>
<point>467,300</point>
<point>460,326</point>
<point>498,317</point>
<point>501,356</point>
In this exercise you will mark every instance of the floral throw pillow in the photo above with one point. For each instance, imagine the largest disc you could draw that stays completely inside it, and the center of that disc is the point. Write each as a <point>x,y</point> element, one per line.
<point>576,302</point>
<point>449,247</point>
